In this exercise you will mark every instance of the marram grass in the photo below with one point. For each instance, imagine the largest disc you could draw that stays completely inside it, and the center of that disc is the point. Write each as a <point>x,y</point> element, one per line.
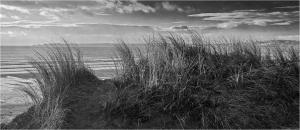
<point>210,84</point>
<point>175,83</point>
<point>61,70</point>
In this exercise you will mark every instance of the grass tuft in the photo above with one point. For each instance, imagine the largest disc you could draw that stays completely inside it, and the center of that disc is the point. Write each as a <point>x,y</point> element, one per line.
<point>175,82</point>
<point>208,84</point>
<point>60,71</point>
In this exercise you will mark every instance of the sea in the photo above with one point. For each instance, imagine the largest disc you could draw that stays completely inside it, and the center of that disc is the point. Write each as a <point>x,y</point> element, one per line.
<point>16,72</point>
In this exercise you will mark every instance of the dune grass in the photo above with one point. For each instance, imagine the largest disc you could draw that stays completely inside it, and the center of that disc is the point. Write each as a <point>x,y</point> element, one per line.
<point>207,84</point>
<point>60,71</point>
<point>173,83</point>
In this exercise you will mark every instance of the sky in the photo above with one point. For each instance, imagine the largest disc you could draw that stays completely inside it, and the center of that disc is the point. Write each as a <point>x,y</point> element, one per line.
<point>29,22</point>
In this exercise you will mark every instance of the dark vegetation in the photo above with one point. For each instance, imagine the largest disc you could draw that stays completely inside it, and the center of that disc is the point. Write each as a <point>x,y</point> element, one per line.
<point>171,84</point>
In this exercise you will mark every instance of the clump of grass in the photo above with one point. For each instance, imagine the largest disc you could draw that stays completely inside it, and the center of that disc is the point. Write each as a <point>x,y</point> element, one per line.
<point>173,83</point>
<point>59,72</point>
<point>207,84</point>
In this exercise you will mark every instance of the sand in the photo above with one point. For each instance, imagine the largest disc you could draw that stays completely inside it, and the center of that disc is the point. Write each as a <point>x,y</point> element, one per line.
<point>10,111</point>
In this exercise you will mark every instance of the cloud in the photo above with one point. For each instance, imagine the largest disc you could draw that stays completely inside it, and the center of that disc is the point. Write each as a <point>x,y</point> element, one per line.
<point>283,23</point>
<point>49,15</point>
<point>178,28</point>
<point>171,7</point>
<point>220,16</point>
<point>55,14</point>
<point>3,16</point>
<point>106,7</point>
<point>13,34</point>
<point>6,33</point>
<point>135,6</point>
<point>258,22</point>
<point>176,22</point>
<point>172,28</point>
<point>249,17</point>
<point>14,8</point>
<point>101,13</point>
<point>228,25</point>
<point>247,10</point>
<point>289,37</point>
<point>39,24</point>
<point>35,24</point>
<point>181,27</point>
<point>262,22</point>
<point>123,6</point>
<point>57,10</point>
<point>116,25</point>
<point>15,17</point>
<point>288,7</point>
